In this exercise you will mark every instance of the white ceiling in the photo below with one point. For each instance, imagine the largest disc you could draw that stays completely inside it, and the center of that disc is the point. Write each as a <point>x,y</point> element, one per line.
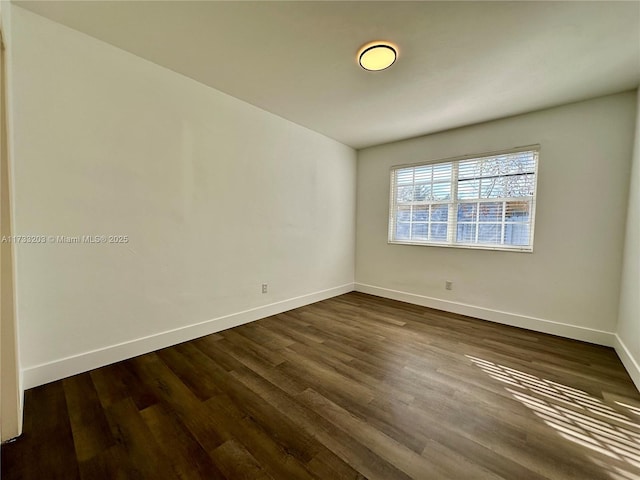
<point>460,62</point>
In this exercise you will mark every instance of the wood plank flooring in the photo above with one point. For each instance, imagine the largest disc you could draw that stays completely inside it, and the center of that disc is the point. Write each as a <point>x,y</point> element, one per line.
<point>355,387</point>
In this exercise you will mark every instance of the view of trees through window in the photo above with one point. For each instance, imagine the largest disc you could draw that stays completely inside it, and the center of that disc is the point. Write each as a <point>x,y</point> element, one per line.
<point>484,201</point>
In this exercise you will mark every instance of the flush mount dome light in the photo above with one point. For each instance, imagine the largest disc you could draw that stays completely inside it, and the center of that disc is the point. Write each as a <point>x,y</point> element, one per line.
<point>376,56</point>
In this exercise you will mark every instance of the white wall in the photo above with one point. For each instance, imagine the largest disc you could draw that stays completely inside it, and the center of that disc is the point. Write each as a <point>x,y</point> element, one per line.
<point>570,284</point>
<point>628,338</point>
<point>215,195</point>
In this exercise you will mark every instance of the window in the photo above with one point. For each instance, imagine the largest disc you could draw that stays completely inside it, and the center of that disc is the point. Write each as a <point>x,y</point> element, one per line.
<point>478,201</point>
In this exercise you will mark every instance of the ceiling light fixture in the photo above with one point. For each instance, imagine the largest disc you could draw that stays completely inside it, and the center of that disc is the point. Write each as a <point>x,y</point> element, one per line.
<point>375,56</point>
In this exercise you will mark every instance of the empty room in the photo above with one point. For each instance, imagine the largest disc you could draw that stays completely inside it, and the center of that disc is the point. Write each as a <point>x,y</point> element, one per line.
<point>320,240</point>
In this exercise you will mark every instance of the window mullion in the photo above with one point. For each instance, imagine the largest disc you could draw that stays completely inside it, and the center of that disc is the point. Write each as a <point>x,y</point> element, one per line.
<point>411,222</point>
<point>452,223</point>
<point>477,221</point>
<point>503,227</point>
<point>413,200</point>
<point>429,213</point>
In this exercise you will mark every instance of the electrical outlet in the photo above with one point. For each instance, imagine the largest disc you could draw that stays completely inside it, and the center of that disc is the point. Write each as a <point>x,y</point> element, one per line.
<point>448,285</point>
<point>264,288</point>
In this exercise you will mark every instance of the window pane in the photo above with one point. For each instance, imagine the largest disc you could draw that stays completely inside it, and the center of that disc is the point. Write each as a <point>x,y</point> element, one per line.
<point>402,231</point>
<point>493,188</point>
<point>520,185</point>
<point>420,213</point>
<point>404,194</point>
<point>468,189</point>
<point>492,167</point>
<point>517,233</point>
<point>517,212</point>
<point>404,176</point>
<point>439,213</point>
<point>422,193</point>
<point>468,169</point>
<point>403,214</point>
<point>508,164</point>
<point>423,174</point>
<point>442,171</point>
<point>442,191</point>
<point>419,231</point>
<point>439,232</point>
<point>467,212</point>
<point>522,162</point>
<point>490,212</point>
<point>466,233</point>
<point>489,233</point>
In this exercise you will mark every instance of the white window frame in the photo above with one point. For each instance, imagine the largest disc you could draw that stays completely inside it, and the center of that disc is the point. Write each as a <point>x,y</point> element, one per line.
<point>454,203</point>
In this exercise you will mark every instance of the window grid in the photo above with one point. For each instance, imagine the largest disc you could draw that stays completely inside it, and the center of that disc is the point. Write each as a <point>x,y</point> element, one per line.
<point>502,221</point>
<point>506,172</point>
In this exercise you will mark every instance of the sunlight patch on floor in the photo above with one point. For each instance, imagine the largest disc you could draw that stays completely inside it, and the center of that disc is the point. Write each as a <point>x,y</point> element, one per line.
<point>579,417</point>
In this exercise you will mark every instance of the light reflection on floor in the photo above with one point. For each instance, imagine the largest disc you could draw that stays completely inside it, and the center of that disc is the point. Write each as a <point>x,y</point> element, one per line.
<point>611,437</point>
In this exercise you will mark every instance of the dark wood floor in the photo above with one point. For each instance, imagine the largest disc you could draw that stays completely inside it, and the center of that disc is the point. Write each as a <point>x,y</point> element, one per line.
<point>349,388</point>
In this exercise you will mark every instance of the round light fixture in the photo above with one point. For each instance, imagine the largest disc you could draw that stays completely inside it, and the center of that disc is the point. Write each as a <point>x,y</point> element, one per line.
<point>376,56</point>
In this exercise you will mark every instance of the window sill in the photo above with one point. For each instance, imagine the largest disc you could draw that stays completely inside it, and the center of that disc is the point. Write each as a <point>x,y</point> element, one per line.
<point>501,248</point>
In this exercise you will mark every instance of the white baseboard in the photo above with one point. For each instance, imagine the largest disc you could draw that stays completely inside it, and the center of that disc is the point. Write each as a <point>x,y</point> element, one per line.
<point>516,320</point>
<point>83,362</point>
<point>21,409</point>
<point>631,364</point>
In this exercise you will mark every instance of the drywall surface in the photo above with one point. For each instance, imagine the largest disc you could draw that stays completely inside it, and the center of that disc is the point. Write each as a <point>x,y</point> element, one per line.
<point>570,284</point>
<point>196,200</point>
<point>629,314</point>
